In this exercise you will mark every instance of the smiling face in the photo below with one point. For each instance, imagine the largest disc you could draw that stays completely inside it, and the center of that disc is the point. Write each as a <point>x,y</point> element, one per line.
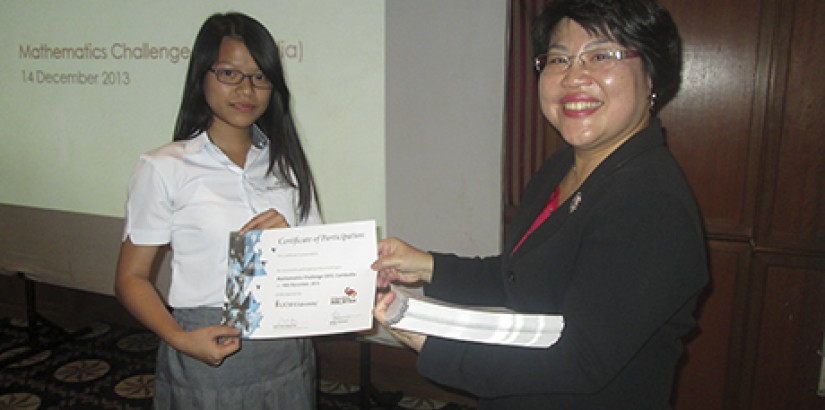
<point>594,111</point>
<point>234,107</point>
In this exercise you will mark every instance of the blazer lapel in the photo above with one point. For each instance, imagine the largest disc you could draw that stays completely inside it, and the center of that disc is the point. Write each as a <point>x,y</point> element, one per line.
<point>548,179</point>
<point>586,195</point>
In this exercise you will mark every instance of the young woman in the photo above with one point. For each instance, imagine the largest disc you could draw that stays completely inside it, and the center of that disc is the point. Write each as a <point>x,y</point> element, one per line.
<point>236,163</point>
<point>608,233</point>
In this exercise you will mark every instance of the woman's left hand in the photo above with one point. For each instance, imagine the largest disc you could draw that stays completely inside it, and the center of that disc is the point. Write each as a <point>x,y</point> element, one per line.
<point>268,219</point>
<point>411,339</point>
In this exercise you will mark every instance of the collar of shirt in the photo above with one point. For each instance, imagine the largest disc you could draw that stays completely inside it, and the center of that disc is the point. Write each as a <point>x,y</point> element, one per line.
<point>197,143</point>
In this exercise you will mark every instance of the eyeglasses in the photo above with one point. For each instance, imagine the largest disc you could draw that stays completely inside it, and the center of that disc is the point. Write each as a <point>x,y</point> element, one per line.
<point>594,60</point>
<point>234,77</point>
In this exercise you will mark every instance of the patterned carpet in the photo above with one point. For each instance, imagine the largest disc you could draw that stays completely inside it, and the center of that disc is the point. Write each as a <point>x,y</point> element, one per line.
<point>111,367</point>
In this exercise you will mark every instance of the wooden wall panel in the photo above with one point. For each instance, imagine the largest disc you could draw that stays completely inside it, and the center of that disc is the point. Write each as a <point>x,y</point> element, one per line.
<point>793,216</point>
<point>787,333</point>
<point>710,123</point>
<point>706,373</point>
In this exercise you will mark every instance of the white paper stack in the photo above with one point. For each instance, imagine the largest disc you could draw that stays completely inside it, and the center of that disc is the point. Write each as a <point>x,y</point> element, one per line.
<point>470,323</point>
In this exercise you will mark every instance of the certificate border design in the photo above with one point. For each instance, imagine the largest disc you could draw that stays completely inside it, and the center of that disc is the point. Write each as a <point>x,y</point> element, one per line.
<point>241,309</point>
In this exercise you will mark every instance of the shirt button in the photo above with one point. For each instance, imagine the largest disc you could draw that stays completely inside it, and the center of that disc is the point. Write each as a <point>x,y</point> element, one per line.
<point>511,277</point>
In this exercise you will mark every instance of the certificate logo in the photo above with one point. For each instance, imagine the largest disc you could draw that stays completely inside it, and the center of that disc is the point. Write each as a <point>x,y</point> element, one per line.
<point>350,296</point>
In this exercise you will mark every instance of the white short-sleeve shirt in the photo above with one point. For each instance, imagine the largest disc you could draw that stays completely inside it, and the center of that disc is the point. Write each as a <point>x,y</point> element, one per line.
<point>190,195</point>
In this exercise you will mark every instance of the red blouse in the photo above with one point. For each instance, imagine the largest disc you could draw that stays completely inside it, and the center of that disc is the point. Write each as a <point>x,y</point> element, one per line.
<point>552,205</point>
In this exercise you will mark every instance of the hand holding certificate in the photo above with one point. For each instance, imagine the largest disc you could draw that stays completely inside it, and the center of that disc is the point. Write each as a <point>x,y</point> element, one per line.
<point>302,281</point>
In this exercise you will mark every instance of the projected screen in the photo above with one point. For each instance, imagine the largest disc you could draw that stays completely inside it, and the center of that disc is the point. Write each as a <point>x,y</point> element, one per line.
<point>88,86</point>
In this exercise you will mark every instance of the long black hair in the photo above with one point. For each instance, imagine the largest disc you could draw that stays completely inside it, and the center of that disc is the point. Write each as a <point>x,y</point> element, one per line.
<point>195,116</point>
<point>641,25</point>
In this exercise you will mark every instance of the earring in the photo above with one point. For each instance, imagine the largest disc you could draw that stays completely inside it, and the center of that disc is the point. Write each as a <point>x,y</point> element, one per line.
<point>652,100</point>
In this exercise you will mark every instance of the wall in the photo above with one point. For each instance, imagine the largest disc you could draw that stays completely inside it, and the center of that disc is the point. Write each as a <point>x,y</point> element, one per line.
<point>446,64</point>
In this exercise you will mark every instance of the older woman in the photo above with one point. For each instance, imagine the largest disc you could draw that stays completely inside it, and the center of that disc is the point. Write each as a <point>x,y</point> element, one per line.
<point>608,234</point>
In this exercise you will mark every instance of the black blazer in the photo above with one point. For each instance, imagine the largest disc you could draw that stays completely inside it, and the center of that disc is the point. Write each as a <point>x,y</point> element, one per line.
<point>623,260</point>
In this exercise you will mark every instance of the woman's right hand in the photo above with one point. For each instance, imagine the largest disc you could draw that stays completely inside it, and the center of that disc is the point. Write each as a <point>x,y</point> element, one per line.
<point>400,262</point>
<point>211,344</point>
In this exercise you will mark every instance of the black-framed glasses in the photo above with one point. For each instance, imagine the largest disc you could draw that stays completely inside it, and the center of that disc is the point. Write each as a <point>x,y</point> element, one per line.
<point>232,76</point>
<point>594,60</point>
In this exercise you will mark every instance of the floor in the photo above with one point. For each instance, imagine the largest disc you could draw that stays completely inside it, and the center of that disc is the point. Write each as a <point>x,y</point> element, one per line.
<point>111,366</point>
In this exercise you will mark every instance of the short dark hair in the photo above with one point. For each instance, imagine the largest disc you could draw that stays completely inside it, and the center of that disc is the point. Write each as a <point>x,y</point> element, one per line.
<point>195,116</point>
<point>641,25</point>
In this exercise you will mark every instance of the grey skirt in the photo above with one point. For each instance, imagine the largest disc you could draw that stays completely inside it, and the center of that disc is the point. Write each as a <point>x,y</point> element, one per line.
<point>263,374</point>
